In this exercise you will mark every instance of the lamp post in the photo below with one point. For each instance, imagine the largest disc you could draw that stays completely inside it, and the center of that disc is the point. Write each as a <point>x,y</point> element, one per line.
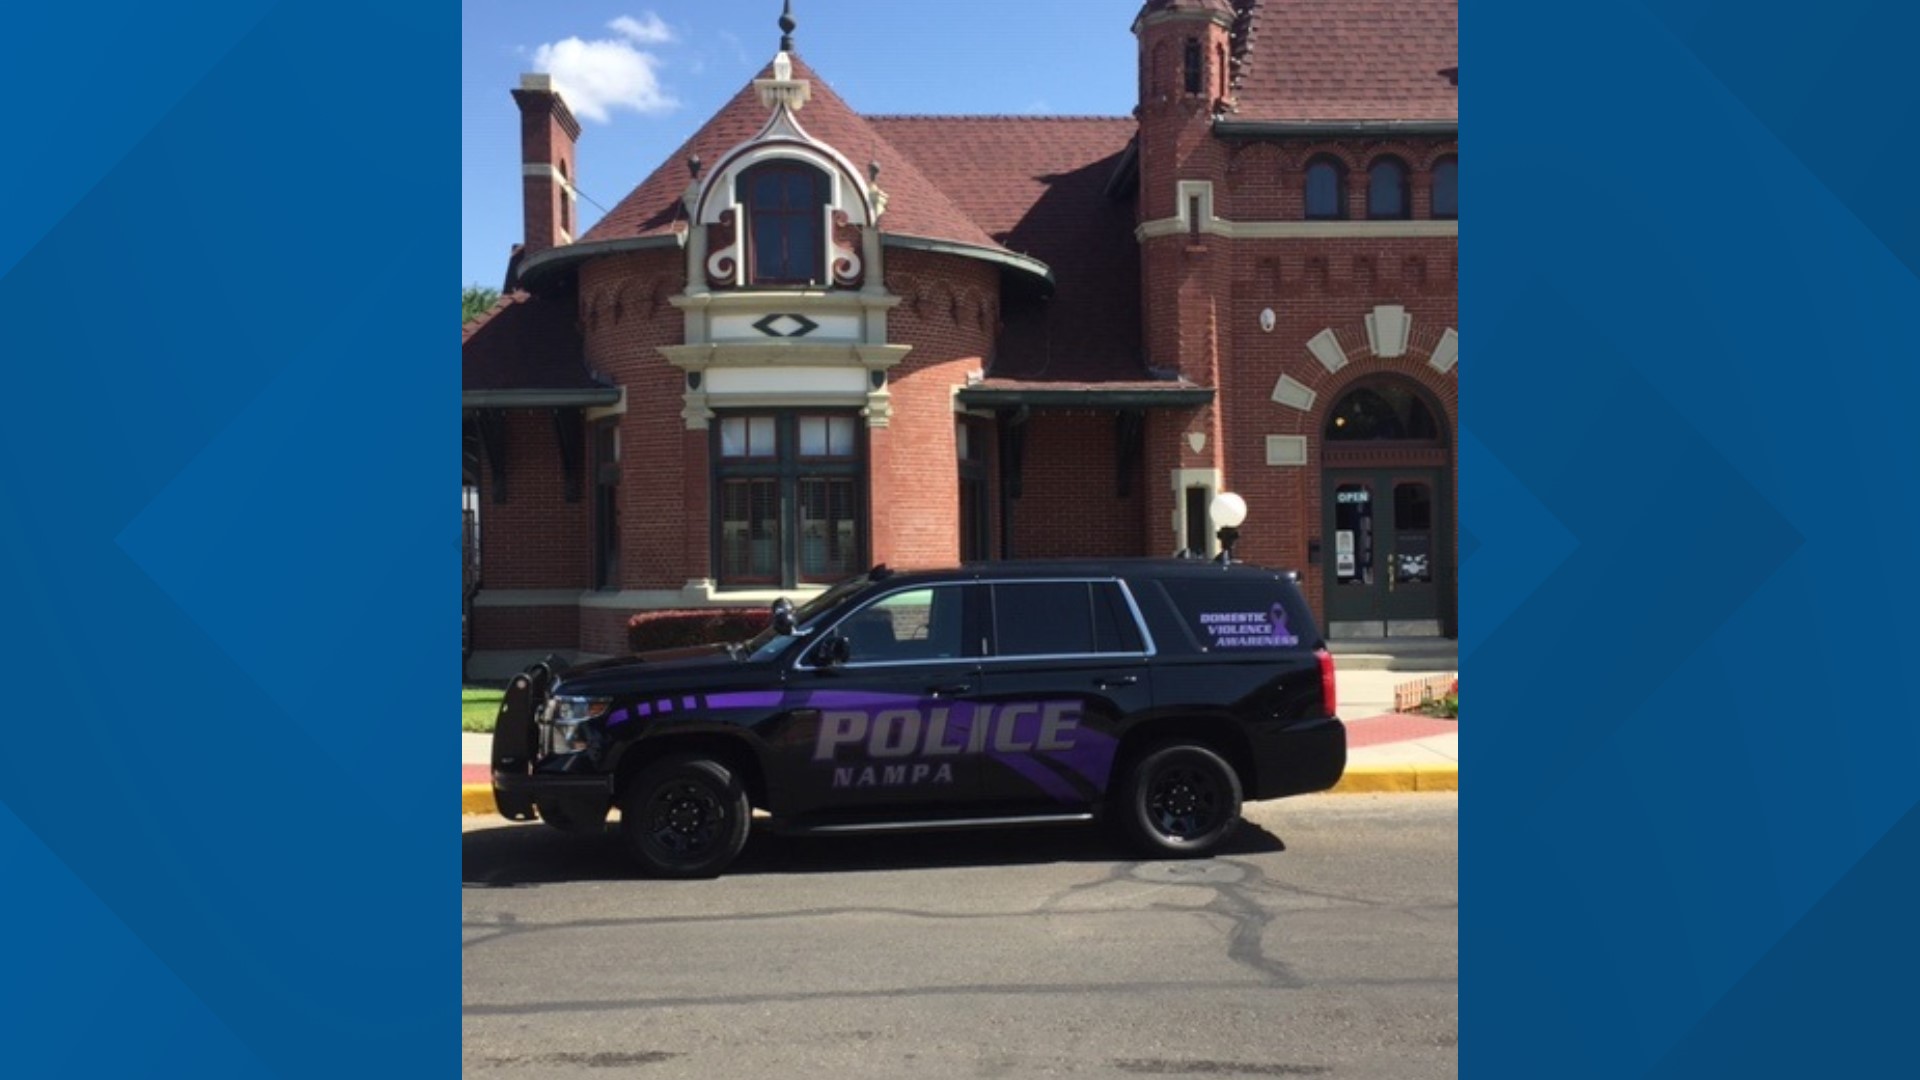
<point>1228,511</point>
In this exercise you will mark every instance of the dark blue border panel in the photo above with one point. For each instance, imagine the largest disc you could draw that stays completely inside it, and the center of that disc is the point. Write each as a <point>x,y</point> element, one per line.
<point>1689,605</point>
<point>226,539</point>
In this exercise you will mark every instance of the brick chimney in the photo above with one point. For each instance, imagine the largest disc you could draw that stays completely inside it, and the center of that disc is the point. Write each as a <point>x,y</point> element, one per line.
<point>548,133</point>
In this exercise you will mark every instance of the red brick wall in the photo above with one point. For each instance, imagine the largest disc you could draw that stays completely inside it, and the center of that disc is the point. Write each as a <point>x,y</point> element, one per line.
<point>1314,285</point>
<point>625,318</point>
<point>949,314</point>
<point>525,627</point>
<point>536,539</point>
<point>1069,507</point>
<point>1266,181</point>
<point>1202,297</point>
<point>603,631</point>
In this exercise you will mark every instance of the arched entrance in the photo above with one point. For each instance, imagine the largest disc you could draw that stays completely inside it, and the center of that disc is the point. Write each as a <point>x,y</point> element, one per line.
<point>1387,513</point>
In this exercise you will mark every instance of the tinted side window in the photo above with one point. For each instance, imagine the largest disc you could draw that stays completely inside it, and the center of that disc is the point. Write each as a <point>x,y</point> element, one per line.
<point>1114,629</point>
<point>920,624</point>
<point>1063,618</point>
<point>1042,619</point>
<point>1238,615</point>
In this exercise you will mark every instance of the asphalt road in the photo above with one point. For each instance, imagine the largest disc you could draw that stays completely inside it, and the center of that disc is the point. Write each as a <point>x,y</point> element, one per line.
<point>1325,943</point>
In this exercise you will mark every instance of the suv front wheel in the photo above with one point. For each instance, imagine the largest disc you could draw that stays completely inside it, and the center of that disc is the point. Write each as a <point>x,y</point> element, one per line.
<point>685,817</point>
<point>1182,801</point>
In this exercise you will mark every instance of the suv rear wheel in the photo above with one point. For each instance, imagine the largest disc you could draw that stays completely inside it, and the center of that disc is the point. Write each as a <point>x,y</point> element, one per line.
<point>685,817</point>
<point>1182,801</point>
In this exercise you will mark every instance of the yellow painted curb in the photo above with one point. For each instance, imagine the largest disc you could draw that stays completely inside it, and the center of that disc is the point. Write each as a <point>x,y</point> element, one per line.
<point>477,799</point>
<point>1374,779</point>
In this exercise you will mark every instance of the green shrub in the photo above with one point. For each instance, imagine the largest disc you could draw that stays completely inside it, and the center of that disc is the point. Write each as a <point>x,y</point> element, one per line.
<point>650,630</point>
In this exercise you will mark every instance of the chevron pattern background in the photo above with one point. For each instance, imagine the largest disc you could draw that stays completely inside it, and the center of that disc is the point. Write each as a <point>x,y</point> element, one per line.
<point>1689,287</point>
<point>227,263</point>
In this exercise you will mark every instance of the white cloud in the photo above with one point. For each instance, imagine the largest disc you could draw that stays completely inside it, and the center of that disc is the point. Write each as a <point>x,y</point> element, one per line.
<point>649,29</point>
<point>597,77</point>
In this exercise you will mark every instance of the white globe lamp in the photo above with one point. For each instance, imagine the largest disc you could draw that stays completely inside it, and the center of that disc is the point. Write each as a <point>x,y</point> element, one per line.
<point>1228,511</point>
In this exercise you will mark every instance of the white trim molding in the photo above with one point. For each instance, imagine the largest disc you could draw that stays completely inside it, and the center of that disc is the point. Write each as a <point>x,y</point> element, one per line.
<point>1388,327</point>
<point>618,408</point>
<point>1446,353</point>
<point>1294,394</point>
<point>1191,478</point>
<point>1284,450</point>
<point>1325,347</point>
<point>1292,230</point>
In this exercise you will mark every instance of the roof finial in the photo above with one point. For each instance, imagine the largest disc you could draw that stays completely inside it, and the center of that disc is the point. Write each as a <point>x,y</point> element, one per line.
<point>786,26</point>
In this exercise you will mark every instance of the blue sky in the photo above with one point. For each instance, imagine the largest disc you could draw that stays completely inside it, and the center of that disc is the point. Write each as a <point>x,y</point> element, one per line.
<point>654,72</point>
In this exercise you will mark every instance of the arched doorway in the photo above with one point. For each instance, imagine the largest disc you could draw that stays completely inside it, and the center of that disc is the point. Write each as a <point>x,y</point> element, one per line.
<point>1387,513</point>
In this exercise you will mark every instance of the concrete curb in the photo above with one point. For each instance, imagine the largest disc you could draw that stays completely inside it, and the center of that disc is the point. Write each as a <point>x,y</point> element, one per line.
<point>1359,780</point>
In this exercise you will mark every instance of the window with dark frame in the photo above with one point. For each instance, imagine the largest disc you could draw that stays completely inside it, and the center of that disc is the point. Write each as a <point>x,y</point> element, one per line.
<point>970,441</point>
<point>606,503</point>
<point>786,222</point>
<point>1446,188</point>
<point>789,498</point>
<point>1387,190</point>
<point>1326,189</point>
<point>1193,65</point>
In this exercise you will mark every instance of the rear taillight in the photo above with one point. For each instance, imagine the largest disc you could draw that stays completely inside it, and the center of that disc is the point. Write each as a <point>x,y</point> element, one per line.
<point>1326,681</point>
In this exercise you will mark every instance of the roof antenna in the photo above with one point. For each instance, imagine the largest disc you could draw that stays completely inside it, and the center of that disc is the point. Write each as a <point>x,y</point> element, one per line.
<point>786,26</point>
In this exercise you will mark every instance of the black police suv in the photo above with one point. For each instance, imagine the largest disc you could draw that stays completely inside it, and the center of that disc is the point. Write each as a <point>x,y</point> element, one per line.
<point>1154,693</point>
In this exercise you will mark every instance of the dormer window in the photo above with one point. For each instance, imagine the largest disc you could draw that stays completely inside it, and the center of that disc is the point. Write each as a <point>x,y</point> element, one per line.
<point>784,203</point>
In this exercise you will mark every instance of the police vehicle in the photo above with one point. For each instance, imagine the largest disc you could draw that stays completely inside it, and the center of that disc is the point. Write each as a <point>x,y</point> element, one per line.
<point>1155,694</point>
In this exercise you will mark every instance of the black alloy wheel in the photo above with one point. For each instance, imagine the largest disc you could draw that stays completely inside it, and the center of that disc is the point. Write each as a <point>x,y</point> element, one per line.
<point>1183,800</point>
<point>685,817</point>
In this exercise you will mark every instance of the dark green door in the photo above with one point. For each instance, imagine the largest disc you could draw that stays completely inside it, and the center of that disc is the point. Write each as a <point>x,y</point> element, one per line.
<point>1383,552</point>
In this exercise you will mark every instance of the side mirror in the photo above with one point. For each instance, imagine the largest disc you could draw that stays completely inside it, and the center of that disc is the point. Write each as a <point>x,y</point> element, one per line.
<point>832,652</point>
<point>783,616</point>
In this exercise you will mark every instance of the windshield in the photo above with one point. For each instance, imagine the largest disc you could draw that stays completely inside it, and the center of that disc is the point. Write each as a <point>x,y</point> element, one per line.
<point>769,643</point>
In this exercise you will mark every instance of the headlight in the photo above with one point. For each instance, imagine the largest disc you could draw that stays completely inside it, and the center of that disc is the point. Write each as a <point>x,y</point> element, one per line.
<point>565,716</point>
<point>573,710</point>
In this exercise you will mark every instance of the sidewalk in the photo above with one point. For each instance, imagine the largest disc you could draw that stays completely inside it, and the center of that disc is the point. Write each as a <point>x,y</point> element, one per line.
<point>1386,751</point>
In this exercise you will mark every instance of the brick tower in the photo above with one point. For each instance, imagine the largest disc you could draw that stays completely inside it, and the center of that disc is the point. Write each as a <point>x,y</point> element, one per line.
<point>1185,277</point>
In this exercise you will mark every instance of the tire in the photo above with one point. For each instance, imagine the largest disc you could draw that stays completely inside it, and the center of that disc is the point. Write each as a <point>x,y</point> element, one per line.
<point>685,817</point>
<point>1182,802</point>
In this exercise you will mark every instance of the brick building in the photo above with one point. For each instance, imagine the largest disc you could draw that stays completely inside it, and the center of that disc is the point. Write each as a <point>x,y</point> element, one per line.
<point>814,340</point>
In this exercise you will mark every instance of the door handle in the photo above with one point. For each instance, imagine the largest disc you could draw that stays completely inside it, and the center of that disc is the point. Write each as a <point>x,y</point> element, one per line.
<point>1108,683</point>
<point>949,689</point>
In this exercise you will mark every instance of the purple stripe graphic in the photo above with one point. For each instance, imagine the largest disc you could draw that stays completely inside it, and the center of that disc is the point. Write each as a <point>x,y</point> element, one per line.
<point>1091,756</point>
<point>753,699</point>
<point>860,699</point>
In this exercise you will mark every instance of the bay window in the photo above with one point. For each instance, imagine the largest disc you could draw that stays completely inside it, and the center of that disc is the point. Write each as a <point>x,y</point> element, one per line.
<point>789,498</point>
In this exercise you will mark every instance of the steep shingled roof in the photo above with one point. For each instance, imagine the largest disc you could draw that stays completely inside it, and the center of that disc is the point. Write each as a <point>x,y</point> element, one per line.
<point>525,343</point>
<point>1037,184</point>
<point>915,205</point>
<point>1346,60</point>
